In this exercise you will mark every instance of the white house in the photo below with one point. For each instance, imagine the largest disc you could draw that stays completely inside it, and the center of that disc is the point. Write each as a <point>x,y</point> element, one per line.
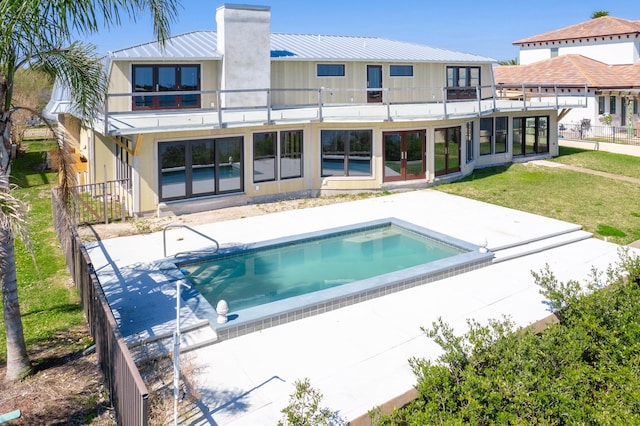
<point>240,115</point>
<point>602,54</point>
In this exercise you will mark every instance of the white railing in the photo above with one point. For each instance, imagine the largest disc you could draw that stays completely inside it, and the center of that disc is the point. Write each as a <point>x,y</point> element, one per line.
<point>228,108</point>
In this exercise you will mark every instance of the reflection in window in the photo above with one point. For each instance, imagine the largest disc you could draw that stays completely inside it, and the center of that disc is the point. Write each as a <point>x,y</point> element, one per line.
<point>462,82</point>
<point>401,70</point>
<point>486,135</point>
<point>200,167</point>
<point>166,78</point>
<point>290,154</point>
<point>502,133</point>
<point>469,142</point>
<point>330,70</point>
<point>346,152</point>
<point>530,135</point>
<point>264,156</point>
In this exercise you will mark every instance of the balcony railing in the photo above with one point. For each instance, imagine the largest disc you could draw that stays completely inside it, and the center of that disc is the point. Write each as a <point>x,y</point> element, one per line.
<point>235,108</point>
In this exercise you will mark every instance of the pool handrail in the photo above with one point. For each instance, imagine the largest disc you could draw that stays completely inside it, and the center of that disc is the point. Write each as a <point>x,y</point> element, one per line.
<point>178,225</point>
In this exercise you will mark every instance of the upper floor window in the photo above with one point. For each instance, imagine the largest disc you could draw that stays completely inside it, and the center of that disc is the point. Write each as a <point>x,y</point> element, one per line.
<point>554,52</point>
<point>330,70</point>
<point>166,78</point>
<point>401,70</point>
<point>462,82</point>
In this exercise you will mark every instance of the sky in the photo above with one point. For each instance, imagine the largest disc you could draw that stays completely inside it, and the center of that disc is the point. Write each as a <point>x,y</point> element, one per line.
<point>486,28</point>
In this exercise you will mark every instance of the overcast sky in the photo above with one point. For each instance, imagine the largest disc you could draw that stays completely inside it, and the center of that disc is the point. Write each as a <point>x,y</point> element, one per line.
<point>486,28</point>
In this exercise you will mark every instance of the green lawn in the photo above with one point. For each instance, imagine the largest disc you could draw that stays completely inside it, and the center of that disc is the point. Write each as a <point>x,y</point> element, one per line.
<point>48,301</point>
<point>603,161</point>
<point>606,207</point>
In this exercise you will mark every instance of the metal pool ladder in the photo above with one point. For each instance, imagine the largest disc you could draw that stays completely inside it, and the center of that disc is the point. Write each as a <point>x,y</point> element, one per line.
<point>173,226</point>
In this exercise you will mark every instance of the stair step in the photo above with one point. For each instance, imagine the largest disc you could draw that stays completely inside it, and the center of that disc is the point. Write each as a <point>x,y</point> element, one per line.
<point>191,338</point>
<point>540,245</point>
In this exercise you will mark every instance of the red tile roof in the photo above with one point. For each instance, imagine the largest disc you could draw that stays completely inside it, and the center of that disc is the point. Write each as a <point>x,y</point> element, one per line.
<point>604,26</point>
<point>570,70</point>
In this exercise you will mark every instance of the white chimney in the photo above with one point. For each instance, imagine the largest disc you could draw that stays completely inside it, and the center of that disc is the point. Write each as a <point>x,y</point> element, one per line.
<point>244,40</point>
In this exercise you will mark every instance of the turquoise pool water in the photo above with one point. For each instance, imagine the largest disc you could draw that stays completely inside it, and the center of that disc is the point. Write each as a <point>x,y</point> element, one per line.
<point>254,277</point>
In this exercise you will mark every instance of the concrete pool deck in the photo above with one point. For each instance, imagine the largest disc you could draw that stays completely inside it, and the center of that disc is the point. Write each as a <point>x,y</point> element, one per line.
<point>356,356</point>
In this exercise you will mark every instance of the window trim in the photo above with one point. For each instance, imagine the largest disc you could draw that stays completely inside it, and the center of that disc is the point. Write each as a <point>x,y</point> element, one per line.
<point>341,70</point>
<point>280,155</point>
<point>397,68</point>
<point>189,167</point>
<point>155,99</point>
<point>456,91</point>
<point>346,153</point>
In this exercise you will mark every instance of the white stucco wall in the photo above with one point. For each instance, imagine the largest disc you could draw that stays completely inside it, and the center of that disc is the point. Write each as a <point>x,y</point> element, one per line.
<point>529,55</point>
<point>610,51</point>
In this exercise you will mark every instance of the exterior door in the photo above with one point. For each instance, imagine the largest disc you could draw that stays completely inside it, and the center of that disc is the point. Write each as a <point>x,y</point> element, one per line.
<point>404,155</point>
<point>447,150</point>
<point>374,81</point>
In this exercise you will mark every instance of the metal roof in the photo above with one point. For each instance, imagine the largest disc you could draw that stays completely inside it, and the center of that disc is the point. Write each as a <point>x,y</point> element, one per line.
<point>198,45</point>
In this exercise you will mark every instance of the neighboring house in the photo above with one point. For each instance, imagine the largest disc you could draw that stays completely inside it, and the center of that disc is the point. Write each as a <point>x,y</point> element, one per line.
<point>602,54</point>
<point>243,115</point>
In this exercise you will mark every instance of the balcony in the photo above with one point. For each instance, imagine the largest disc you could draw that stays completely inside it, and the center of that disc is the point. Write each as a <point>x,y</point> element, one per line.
<point>290,106</point>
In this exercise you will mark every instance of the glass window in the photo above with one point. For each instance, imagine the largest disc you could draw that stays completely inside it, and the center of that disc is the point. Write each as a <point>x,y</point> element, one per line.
<point>469,142</point>
<point>401,70</point>
<point>203,172</point>
<point>143,82</point>
<point>612,104</point>
<point>600,104</point>
<point>359,155</point>
<point>166,78</point>
<point>462,82</point>
<point>291,154</point>
<point>330,70</point>
<point>173,170</point>
<point>229,164</point>
<point>635,106</point>
<point>554,52</point>
<point>346,152</point>
<point>200,167</point>
<point>264,156</point>
<point>486,135</point>
<point>518,124</point>
<point>502,132</point>
<point>530,135</point>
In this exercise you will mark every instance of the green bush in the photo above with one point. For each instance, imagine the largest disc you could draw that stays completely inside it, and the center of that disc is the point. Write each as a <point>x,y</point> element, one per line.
<point>581,371</point>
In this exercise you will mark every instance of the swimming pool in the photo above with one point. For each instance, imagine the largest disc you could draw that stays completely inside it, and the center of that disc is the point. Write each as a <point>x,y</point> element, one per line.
<point>325,271</point>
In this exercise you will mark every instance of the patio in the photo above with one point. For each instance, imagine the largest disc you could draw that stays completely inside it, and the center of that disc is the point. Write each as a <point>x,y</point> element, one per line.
<point>356,356</point>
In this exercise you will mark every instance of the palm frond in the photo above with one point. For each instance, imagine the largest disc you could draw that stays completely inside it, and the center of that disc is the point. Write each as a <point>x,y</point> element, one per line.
<point>14,214</point>
<point>79,69</point>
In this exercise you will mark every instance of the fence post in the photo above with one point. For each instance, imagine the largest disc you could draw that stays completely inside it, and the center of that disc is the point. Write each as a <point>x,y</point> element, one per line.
<point>104,197</point>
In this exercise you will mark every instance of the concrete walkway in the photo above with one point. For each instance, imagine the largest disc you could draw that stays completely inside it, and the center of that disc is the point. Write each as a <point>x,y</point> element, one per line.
<point>553,164</point>
<point>356,356</point>
<point>616,148</point>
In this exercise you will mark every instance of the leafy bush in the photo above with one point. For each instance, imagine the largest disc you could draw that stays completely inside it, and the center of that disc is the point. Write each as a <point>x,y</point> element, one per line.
<point>580,371</point>
<point>304,408</point>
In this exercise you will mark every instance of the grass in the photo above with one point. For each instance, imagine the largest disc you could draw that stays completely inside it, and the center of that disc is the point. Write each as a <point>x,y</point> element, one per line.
<point>49,304</point>
<point>626,165</point>
<point>606,207</point>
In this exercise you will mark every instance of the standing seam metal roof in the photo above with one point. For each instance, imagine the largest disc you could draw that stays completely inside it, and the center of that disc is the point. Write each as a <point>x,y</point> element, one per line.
<point>202,45</point>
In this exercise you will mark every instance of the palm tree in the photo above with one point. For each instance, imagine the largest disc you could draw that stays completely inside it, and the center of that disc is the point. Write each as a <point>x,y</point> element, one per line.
<point>512,61</point>
<point>38,34</point>
<point>599,14</point>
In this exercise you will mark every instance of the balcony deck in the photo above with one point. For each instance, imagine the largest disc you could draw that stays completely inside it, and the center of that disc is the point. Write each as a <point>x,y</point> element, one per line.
<point>154,121</point>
